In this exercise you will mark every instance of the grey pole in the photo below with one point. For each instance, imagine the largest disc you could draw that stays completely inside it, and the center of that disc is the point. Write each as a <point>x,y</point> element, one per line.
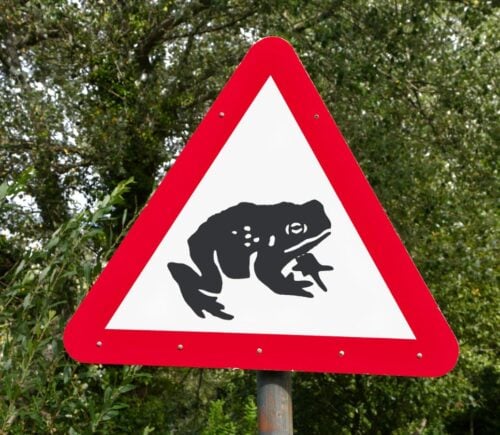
<point>274,403</point>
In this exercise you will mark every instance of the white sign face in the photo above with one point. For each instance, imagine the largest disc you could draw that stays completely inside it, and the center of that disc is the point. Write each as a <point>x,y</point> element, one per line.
<point>266,161</point>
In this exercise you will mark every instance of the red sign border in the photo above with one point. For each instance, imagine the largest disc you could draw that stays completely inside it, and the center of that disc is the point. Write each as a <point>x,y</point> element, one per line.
<point>434,352</point>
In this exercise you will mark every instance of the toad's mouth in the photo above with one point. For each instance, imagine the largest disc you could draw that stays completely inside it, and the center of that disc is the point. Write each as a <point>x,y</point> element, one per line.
<point>309,243</point>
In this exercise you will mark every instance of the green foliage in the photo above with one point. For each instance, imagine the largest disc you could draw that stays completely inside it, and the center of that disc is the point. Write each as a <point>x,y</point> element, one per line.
<point>42,292</point>
<point>94,93</point>
<point>218,422</point>
<point>228,419</point>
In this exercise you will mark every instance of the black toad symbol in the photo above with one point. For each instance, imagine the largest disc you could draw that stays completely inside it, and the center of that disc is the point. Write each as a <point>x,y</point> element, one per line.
<point>278,233</point>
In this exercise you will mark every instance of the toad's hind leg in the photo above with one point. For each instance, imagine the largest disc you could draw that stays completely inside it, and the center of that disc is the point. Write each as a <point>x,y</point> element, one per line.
<point>191,283</point>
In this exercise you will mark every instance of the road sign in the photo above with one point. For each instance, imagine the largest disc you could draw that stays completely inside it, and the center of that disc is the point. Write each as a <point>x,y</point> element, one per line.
<point>264,248</point>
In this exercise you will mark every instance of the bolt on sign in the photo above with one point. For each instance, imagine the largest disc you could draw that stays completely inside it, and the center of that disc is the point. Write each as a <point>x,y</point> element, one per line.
<point>264,248</point>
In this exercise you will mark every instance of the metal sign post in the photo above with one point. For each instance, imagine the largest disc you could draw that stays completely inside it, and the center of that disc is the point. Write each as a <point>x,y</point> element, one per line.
<point>274,402</point>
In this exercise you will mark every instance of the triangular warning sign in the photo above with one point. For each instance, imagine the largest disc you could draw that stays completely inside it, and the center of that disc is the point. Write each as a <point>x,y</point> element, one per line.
<point>264,248</point>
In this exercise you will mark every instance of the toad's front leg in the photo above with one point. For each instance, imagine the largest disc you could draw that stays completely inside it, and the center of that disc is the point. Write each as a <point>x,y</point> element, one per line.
<point>268,271</point>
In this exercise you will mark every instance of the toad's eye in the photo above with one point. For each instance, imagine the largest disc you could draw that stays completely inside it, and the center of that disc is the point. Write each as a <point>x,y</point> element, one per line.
<point>296,228</point>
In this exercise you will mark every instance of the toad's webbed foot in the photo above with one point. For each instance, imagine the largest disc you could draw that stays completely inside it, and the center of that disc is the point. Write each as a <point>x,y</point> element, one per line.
<point>207,303</point>
<point>308,265</point>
